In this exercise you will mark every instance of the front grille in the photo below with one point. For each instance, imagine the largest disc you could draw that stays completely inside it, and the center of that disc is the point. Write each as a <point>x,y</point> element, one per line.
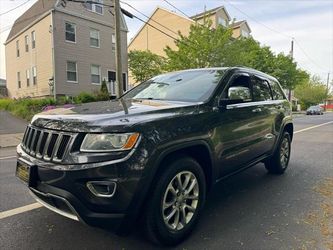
<point>49,145</point>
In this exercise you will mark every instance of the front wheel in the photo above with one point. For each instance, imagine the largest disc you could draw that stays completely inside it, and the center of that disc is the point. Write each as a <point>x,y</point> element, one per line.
<point>278,163</point>
<point>176,202</point>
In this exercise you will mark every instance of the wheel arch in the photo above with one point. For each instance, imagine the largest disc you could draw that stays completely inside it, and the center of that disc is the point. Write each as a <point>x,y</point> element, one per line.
<point>198,150</point>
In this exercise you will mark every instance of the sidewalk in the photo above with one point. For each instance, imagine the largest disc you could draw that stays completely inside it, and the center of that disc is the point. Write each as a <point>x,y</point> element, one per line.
<point>10,140</point>
<point>11,130</point>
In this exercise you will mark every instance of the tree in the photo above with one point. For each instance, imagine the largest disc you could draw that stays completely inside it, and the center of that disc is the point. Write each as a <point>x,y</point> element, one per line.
<point>144,64</point>
<point>203,47</point>
<point>207,47</point>
<point>311,92</point>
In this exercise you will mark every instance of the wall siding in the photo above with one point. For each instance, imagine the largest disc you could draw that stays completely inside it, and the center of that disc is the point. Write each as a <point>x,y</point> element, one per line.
<point>41,57</point>
<point>83,54</point>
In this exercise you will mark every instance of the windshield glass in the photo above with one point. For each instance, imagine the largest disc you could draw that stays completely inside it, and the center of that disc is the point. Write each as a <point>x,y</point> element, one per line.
<point>186,86</point>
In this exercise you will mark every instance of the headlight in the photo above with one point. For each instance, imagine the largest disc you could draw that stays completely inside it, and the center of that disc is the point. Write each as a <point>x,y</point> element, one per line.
<point>109,142</point>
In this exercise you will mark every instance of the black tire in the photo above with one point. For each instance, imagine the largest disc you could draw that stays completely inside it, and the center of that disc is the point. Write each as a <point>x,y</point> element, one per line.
<point>277,164</point>
<point>156,229</point>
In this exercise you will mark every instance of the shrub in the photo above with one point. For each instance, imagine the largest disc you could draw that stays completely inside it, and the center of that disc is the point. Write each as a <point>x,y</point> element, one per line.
<point>104,88</point>
<point>84,97</point>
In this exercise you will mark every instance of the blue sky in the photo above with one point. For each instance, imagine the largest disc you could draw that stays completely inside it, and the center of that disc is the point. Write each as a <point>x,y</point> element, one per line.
<point>273,23</point>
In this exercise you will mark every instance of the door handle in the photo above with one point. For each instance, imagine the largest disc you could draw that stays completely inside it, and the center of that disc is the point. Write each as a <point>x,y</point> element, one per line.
<point>256,110</point>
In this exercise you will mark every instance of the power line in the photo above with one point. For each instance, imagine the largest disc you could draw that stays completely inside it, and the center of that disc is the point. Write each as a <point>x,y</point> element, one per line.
<point>278,32</point>
<point>176,39</point>
<point>267,27</point>
<point>18,6</point>
<point>176,8</point>
<point>313,62</point>
<point>149,18</point>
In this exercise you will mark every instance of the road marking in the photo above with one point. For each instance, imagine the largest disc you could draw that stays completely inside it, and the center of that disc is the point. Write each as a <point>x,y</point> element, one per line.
<point>19,210</point>
<point>305,129</point>
<point>8,157</point>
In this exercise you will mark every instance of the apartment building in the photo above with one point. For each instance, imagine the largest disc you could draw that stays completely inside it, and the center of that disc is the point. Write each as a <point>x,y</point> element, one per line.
<point>148,38</point>
<point>63,49</point>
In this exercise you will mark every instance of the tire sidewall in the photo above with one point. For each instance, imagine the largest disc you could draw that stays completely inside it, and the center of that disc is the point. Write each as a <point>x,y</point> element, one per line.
<point>168,236</point>
<point>285,135</point>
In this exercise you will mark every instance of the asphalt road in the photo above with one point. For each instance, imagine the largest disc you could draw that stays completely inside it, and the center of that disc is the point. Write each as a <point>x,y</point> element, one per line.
<point>252,210</point>
<point>10,124</point>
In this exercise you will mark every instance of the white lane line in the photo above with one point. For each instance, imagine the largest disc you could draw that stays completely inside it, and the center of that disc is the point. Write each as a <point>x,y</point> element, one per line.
<point>8,157</point>
<point>19,210</point>
<point>305,129</point>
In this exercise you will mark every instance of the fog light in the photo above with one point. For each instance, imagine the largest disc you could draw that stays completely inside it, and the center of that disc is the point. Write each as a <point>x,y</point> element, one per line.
<point>102,188</point>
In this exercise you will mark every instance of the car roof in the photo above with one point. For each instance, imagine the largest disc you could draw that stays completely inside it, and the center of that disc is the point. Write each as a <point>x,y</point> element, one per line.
<point>236,68</point>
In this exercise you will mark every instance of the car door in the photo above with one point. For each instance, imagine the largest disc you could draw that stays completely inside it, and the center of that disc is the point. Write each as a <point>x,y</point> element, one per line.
<point>239,125</point>
<point>262,98</point>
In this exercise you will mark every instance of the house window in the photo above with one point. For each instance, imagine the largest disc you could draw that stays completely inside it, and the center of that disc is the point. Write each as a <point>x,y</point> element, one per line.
<point>245,33</point>
<point>33,39</point>
<point>18,80</point>
<point>27,73</point>
<point>113,39</point>
<point>71,71</point>
<point>26,39</point>
<point>222,21</point>
<point>17,48</point>
<point>94,38</point>
<point>70,32</point>
<point>34,75</point>
<point>95,71</point>
<point>95,7</point>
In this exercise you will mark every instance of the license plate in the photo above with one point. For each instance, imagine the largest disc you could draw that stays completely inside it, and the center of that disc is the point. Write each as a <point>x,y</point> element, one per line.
<point>25,172</point>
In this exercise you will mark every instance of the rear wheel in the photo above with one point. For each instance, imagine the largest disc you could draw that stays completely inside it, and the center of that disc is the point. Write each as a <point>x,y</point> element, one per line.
<point>278,163</point>
<point>176,202</point>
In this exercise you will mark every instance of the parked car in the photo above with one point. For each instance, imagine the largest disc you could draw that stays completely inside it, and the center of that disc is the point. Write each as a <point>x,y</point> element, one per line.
<point>314,110</point>
<point>155,160</point>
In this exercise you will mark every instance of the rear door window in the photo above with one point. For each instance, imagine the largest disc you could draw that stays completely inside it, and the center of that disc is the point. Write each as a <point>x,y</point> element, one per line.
<point>276,91</point>
<point>261,90</point>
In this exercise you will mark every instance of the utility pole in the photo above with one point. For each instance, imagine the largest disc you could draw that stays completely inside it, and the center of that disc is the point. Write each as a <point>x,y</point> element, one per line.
<point>119,73</point>
<point>328,80</point>
<point>291,53</point>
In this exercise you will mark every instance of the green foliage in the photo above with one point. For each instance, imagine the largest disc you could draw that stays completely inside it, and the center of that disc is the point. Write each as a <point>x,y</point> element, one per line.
<point>207,47</point>
<point>203,47</point>
<point>103,94</point>
<point>145,64</point>
<point>311,92</point>
<point>61,100</point>
<point>25,108</point>
<point>84,97</point>
<point>104,88</point>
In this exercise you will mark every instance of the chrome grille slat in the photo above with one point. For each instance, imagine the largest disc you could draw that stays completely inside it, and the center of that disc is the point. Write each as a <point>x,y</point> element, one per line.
<point>46,144</point>
<point>25,136</point>
<point>56,146</point>
<point>38,143</point>
<point>31,136</point>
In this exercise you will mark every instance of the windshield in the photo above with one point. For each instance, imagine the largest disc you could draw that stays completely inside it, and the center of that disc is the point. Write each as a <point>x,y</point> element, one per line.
<point>185,86</point>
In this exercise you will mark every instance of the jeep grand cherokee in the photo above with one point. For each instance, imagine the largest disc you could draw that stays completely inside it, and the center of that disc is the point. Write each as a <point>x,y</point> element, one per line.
<point>156,159</point>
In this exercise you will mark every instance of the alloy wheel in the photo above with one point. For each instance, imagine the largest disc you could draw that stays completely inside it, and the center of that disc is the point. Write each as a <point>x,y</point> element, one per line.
<point>284,152</point>
<point>180,200</point>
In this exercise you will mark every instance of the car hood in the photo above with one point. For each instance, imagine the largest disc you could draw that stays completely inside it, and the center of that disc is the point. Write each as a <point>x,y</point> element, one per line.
<point>110,115</point>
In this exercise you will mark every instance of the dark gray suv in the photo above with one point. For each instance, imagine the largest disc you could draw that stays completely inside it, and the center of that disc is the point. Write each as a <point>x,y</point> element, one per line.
<point>155,160</point>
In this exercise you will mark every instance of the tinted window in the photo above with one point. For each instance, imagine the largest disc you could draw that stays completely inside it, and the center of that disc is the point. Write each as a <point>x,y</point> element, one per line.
<point>261,90</point>
<point>239,88</point>
<point>187,86</point>
<point>276,91</point>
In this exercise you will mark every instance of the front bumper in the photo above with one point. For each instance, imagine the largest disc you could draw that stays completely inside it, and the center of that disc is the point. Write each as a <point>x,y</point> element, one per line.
<point>67,192</point>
